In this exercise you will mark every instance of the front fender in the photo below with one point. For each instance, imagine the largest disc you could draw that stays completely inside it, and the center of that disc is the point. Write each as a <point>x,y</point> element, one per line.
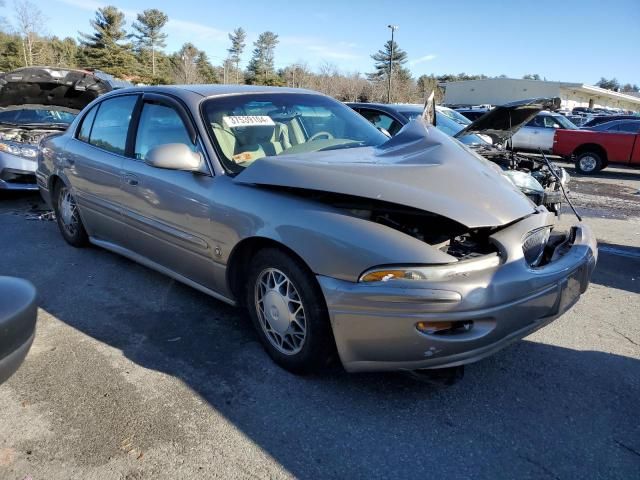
<point>330,241</point>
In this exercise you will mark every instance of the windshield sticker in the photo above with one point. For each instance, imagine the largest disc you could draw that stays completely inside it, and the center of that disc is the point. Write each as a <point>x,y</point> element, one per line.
<point>248,121</point>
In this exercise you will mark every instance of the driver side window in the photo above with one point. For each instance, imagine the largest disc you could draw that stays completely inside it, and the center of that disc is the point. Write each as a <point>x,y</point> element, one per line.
<point>160,124</point>
<point>382,120</point>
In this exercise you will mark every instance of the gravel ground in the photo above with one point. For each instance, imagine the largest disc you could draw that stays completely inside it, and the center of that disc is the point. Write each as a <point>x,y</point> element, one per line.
<point>134,376</point>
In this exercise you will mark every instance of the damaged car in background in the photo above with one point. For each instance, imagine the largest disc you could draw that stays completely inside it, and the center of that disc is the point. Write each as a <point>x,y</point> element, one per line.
<point>407,253</point>
<point>540,180</point>
<point>36,102</point>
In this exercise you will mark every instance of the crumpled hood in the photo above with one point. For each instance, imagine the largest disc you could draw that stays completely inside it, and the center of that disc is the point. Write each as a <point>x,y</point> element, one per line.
<point>502,122</point>
<point>58,87</point>
<point>421,167</point>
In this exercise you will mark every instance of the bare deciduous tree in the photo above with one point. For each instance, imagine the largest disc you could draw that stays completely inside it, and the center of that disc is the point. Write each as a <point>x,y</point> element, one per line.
<point>30,23</point>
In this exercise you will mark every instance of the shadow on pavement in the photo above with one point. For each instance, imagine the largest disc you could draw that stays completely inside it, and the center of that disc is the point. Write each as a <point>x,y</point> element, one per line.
<point>533,410</point>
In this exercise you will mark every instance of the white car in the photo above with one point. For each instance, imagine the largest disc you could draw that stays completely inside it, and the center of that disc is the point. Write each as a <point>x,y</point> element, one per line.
<point>538,133</point>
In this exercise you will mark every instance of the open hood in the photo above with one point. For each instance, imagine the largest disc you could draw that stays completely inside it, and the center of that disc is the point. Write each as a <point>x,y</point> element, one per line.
<point>500,123</point>
<point>54,87</point>
<point>421,167</point>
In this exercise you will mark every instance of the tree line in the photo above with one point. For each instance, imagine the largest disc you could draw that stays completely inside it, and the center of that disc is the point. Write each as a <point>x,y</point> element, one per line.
<point>136,53</point>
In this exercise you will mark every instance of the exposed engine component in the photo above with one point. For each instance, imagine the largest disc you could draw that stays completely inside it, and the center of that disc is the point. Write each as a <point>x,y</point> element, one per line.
<point>551,194</point>
<point>31,136</point>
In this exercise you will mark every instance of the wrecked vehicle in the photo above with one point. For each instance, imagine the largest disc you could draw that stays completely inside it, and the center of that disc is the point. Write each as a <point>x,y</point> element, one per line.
<point>398,254</point>
<point>542,182</point>
<point>36,102</point>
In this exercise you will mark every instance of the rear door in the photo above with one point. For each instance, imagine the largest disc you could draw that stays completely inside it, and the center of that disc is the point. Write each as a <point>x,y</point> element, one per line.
<point>167,212</point>
<point>94,162</point>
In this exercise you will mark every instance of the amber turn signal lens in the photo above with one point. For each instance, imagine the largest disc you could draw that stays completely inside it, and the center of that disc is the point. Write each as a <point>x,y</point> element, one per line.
<point>434,327</point>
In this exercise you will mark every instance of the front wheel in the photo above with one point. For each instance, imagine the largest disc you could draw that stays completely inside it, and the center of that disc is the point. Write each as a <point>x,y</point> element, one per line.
<point>588,163</point>
<point>68,218</point>
<point>289,312</point>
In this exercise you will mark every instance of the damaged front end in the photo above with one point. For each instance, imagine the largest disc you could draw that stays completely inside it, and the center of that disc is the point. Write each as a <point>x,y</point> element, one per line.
<point>36,102</point>
<point>501,269</point>
<point>529,173</point>
<point>18,155</point>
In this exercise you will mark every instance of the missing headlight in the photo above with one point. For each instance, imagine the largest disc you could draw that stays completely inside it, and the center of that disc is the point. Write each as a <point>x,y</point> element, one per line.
<point>534,244</point>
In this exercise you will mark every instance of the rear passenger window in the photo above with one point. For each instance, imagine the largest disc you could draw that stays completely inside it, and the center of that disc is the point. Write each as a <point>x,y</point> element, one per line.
<point>111,124</point>
<point>87,123</point>
<point>159,125</point>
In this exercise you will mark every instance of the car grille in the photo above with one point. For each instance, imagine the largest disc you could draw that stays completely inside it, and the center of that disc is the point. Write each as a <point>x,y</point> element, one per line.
<point>534,245</point>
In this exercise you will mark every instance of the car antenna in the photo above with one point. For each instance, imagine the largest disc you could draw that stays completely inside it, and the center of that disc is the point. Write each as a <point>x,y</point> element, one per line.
<point>564,192</point>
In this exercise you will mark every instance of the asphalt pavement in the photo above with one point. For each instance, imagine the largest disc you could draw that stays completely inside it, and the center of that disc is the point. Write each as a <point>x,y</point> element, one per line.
<point>135,376</point>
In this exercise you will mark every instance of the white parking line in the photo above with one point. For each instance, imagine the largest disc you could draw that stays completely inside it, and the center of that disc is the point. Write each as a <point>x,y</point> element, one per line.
<point>635,253</point>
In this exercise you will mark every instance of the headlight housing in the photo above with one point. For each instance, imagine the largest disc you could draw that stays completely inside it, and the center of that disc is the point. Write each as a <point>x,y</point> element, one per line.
<point>435,273</point>
<point>524,182</point>
<point>19,149</point>
<point>534,244</point>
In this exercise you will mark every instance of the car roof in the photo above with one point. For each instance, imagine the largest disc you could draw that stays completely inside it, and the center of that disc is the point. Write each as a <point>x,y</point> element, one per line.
<point>615,122</point>
<point>186,91</point>
<point>393,107</point>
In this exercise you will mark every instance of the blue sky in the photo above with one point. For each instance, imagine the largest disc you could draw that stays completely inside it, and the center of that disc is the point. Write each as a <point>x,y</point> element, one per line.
<point>561,40</point>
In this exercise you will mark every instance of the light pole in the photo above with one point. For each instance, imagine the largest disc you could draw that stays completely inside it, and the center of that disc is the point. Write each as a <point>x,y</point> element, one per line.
<point>393,29</point>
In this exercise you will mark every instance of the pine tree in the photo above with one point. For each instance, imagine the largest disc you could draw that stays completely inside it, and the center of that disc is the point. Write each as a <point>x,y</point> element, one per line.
<point>261,66</point>
<point>381,65</point>
<point>237,38</point>
<point>149,33</point>
<point>106,48</point>
<point>206,71</point>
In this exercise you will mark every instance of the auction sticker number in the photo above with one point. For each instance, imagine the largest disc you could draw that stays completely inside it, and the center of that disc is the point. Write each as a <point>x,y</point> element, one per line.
<point>248,121</point>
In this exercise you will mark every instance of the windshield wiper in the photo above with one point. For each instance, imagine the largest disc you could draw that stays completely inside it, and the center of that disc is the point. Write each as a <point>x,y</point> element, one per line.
<point>345,145</point>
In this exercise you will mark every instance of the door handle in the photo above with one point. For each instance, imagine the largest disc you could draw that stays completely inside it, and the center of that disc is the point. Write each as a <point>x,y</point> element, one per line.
<point>131,180</point>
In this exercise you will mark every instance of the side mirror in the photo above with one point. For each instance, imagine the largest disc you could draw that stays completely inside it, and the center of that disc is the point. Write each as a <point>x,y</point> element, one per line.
<point>385,131</point>
<point>174,156</point>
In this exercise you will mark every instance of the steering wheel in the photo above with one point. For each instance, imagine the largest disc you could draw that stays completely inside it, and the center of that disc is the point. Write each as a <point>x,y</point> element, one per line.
<point>320,134</point>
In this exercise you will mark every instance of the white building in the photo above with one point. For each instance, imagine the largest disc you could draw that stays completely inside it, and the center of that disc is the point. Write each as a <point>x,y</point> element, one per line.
<point>497,91</point>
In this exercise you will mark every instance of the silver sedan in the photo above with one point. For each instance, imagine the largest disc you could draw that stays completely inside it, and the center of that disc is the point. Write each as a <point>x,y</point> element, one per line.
<point>397,254</point>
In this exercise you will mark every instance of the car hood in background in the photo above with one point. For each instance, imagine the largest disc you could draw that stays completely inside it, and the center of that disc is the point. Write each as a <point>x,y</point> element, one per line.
<point>54,87</point>
<point>421,167</point>
<point>500,123</point>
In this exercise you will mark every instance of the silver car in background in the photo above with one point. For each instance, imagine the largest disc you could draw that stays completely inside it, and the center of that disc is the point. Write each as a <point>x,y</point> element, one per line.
<point>539,132</point>
<point>36,102</point>
<point>398,254</point>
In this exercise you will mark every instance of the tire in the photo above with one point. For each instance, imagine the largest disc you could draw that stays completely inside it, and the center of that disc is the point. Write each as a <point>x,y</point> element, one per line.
<point>303,345</point>
<point>588,163</point>
<point>68,217</point>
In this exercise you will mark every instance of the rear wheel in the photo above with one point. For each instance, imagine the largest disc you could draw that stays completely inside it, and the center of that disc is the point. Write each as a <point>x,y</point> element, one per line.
<point>588,163</point>
<point>68,217</point>
<point>289,313</point>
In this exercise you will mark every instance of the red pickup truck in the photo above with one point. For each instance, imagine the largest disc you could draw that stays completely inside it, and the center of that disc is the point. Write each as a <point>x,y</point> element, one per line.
<point>592,151</point>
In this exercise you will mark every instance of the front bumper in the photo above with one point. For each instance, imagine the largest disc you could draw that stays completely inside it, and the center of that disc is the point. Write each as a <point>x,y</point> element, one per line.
<point>18,312</point>
<point>17,173</point>
<point>375,324</point>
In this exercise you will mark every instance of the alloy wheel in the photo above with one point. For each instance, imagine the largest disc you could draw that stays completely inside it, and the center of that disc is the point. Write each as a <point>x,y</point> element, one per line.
<point>280,311</point>
<point>68,211</point>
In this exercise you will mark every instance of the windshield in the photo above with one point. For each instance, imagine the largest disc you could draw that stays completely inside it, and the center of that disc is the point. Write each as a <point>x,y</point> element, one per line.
<point>448,126</point>
<point>455,116</point>
<point>29,116</point>
<point>248,127</point>
<point>565,122</point>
